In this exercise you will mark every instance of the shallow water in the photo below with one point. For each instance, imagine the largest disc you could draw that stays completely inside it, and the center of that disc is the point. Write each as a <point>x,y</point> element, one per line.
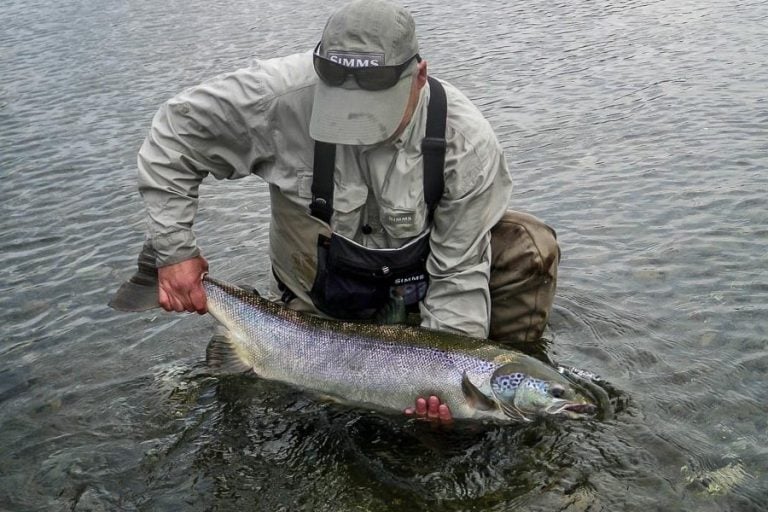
<point>637,129</point>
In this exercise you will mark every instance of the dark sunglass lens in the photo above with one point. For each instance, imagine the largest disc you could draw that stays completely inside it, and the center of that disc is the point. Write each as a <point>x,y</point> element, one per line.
<point>330,72</point>
<point>383,79</point>
<point>376,79</point>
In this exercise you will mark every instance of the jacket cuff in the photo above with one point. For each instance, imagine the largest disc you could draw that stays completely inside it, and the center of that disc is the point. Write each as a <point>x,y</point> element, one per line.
<point>174,247</point>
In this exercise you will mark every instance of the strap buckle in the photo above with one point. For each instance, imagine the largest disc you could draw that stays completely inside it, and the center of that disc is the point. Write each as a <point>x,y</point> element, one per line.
<point>433,145</point>
<point>320,209</point>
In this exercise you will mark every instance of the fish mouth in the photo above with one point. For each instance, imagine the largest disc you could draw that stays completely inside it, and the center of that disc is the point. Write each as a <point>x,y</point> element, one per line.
<point>588,409</point>
<point>572,409</point>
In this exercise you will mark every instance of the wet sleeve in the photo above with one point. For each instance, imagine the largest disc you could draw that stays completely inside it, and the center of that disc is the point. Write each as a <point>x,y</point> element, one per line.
<point>218,128</point>
<point>477,192</point>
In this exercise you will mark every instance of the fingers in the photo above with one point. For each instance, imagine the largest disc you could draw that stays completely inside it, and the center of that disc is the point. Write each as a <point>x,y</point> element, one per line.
<point>170,300</point>
<point>421,407</point>
<point>420,410</point>
<point>192,301</point>
<point>197,300</point>
<point>431,409</point>
<point>444,415</point>
<point>163,299</point>
<point>180,287</point>
<point>433,405</point>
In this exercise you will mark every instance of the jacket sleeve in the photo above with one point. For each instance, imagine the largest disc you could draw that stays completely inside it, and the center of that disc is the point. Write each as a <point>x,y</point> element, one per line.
<point>201,131</point>
<point>476,195</point>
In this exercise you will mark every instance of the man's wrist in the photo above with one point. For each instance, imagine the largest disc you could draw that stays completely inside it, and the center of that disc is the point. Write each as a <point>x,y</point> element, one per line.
<point>174,247</point>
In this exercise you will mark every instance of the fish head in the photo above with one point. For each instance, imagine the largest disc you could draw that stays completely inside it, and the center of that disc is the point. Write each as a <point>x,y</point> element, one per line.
<point>524,391</point>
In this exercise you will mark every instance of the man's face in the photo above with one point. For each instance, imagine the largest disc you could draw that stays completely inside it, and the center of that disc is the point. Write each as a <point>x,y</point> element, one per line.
<point>419,79</point>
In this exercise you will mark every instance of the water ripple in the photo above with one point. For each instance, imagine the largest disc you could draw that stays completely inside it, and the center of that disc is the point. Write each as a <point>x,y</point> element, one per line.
<point>636,129</point>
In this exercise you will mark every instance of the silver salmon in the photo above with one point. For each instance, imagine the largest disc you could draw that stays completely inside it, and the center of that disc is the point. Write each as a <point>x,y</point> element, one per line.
<point>387,366</point>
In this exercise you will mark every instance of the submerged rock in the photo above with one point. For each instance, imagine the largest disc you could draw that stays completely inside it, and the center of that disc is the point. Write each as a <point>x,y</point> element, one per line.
<point>717,482</point>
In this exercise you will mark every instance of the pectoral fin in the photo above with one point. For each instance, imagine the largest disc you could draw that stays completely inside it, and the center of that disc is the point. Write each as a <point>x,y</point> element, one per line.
<point>475,397</point>
<point>222,354</point>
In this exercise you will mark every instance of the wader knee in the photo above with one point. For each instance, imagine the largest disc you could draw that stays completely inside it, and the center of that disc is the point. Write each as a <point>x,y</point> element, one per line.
<point>525,256</point>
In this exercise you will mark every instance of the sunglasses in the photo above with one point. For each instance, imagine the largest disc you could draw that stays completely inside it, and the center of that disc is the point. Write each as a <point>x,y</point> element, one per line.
<point>370,78</point>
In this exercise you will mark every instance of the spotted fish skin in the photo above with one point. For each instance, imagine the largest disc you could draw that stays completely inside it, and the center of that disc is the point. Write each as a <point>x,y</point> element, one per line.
<point>378,366</point>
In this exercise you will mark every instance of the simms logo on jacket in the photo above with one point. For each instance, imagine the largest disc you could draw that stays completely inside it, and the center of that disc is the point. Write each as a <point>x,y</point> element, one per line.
<point>406,218</point>
<point>356,60</point>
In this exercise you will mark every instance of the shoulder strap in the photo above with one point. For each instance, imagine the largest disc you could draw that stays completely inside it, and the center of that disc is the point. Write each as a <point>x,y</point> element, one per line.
<point>432,148</point>
<point>321,206</point>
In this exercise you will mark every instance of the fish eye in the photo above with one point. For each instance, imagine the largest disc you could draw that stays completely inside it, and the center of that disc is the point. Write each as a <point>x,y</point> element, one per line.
<point>557,391</point>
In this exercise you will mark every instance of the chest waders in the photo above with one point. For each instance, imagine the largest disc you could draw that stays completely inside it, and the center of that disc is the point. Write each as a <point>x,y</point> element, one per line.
<point>353,281</point>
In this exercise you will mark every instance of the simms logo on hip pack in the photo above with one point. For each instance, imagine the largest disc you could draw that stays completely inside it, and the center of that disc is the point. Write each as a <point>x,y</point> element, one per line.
<point>356,60</point>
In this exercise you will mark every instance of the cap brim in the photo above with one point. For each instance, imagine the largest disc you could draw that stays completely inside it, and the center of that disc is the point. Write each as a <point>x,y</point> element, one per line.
<point>357,117</point>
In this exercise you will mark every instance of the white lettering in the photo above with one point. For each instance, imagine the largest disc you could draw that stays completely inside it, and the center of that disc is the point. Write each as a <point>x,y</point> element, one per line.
<point>410,279</point>
<point>403,219</point>
<point>354,61</point>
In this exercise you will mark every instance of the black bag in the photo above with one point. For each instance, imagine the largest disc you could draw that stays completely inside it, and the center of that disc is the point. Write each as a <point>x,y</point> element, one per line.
<point>354,282</point>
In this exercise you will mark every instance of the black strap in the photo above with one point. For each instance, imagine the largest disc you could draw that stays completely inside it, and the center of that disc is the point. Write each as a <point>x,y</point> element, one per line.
<point>432,148</point>
<point>321,206</point>
<point>287,294</point>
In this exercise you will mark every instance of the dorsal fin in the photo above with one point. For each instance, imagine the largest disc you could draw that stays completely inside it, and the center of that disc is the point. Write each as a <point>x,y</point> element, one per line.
<point>475,397</point>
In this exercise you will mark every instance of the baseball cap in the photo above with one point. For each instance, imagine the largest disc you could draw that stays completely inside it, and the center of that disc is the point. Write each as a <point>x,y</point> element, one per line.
<point>362,34</point>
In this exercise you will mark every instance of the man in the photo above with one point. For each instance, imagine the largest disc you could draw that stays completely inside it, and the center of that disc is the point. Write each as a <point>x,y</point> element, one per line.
<point>338,136</point>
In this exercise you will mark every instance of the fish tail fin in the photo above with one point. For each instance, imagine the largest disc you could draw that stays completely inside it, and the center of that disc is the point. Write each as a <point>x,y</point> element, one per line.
<point>139,293</point>
<point>223,354</point>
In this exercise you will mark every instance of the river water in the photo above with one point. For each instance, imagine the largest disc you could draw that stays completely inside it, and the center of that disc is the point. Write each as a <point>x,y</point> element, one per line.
<point>638,129</point>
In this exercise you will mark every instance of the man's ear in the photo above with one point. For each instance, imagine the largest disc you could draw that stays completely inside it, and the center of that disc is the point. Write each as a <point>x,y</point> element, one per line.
<point>421,78</point>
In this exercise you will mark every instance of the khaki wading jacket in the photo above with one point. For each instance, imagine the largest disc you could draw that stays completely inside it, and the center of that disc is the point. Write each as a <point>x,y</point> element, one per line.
<point>256,121</point>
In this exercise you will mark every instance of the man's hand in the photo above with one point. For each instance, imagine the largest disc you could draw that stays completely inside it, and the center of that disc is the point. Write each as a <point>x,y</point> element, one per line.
<point>181,288</point>
<point>431,410</point>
